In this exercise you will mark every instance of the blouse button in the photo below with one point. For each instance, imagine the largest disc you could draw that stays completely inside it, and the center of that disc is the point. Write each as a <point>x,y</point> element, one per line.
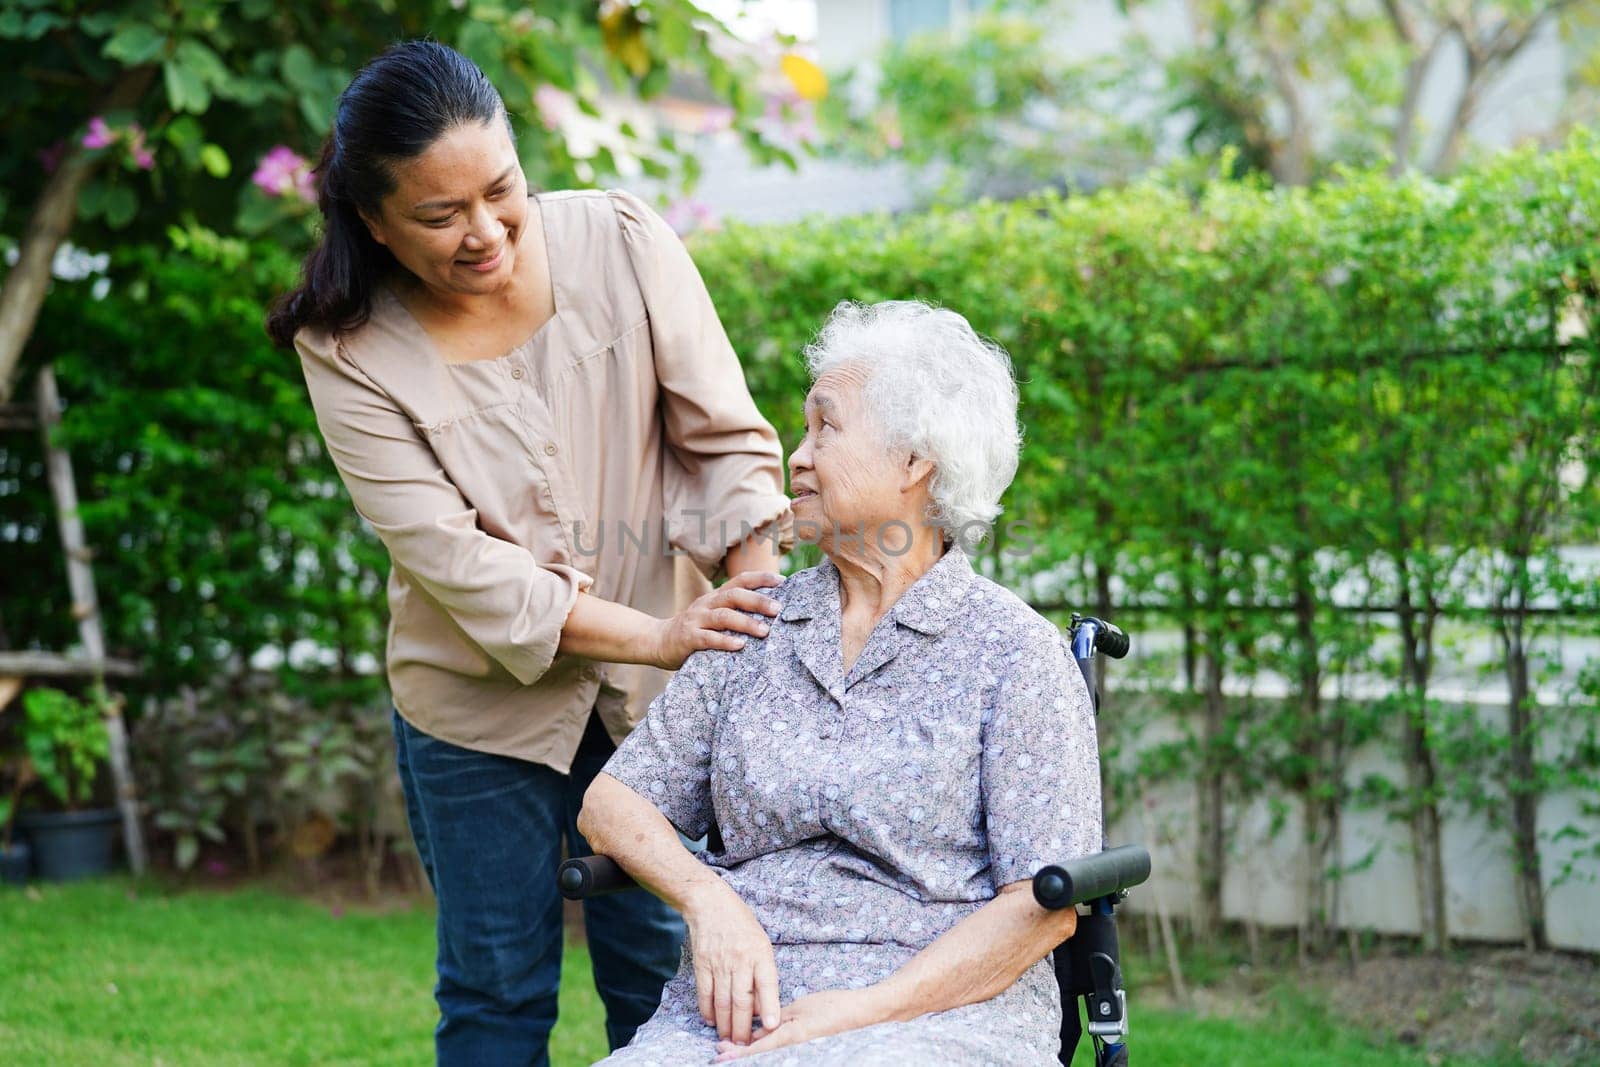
<point>516,372</point>
<point>550,450</point>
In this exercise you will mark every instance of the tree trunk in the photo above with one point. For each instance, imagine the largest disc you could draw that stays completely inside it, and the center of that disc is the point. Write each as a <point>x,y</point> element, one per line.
<point>1319,791</point>
<point>1422,772</point>
<point>1211,859</point>
<point>1523,784</point>
<point>1405,127</point>
<point>28,280</point>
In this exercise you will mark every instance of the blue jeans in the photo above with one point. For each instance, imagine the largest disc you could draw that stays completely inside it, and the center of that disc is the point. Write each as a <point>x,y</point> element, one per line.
<point>489,830</point>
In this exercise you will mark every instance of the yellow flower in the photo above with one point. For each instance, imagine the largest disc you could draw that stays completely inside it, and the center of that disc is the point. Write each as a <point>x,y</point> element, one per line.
<point>806,77</point>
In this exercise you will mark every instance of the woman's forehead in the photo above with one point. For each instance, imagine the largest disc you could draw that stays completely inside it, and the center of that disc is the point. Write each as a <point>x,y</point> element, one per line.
<point>462,161</point>
<point>837,387</point>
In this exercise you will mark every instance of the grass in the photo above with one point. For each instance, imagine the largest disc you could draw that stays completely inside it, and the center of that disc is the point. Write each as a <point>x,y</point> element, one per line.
<point>112,973</point>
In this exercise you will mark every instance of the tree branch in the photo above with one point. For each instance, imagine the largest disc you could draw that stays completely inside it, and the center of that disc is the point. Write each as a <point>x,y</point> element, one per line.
<point>1403,26</point>
<point>1485,58</point>
<point>28,280</point>
<point>1292,164</point>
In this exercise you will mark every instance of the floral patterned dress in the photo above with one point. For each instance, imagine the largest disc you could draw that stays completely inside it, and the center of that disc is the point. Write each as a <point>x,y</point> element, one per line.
<point>865,813</point>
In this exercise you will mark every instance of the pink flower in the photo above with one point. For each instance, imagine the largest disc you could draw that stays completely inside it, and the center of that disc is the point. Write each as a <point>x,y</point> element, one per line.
<point>141,154</point>
<point>555,106</point>
<point>283,171</point>
<point>100,135</point>
<point>686,215</point>
<point>716,119</point>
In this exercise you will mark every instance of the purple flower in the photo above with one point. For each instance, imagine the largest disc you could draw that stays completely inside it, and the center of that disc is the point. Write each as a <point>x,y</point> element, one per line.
<point>100,135</point>
<point>216,868</point>
<point>50,157</point>
<point>283,171</point>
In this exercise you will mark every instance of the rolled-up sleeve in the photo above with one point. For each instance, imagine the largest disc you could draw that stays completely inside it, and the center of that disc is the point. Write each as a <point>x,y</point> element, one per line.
<point>724,470</point>
<point>503,598</point>
<point>667,758</point>
<point>1041,765</point>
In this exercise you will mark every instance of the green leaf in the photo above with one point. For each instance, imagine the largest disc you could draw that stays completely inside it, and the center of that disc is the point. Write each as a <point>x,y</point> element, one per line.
<point>184,133</point>
<point>206,64</point>
<point>215,161</point>
<point>300,68</point>
<point>120,206</point>
<point>135,44</point>
<point>318,109</point>
<point>186,88</point>
<point>98,23</point>
<point>92,199</point>
<point>41,23</point>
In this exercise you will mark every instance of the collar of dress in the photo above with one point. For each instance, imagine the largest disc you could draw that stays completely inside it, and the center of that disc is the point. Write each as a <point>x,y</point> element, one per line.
<point>928,607</point>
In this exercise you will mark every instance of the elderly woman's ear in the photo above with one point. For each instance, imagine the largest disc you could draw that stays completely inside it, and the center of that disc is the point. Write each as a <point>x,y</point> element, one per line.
<point>918,470</point>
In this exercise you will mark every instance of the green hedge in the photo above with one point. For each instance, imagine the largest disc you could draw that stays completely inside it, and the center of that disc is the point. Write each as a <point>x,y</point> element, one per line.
<point>1241,400</point>
<point>1235,398</point>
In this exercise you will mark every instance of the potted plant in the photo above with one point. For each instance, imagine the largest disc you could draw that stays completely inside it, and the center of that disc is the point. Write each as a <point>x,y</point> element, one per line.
<point>65,740</point>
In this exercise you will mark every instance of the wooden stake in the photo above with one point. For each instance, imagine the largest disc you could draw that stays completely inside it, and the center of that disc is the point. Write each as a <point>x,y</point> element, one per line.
<point>86,609</point>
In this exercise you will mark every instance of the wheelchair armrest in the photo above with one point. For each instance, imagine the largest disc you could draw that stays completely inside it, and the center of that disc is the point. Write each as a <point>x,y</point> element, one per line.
<point>1091,877</point>
<point>591,876</point>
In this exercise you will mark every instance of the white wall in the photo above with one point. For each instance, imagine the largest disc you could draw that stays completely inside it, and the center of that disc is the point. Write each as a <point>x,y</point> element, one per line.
<point>1266,874</point>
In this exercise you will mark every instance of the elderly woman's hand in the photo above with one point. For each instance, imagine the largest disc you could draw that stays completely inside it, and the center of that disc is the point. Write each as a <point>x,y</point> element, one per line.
<point>735,972</point>
<point>832,1011</point>
<point>702,623</point>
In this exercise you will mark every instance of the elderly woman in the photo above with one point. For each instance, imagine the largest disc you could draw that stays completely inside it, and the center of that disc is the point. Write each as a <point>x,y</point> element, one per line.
<point>889,767</point>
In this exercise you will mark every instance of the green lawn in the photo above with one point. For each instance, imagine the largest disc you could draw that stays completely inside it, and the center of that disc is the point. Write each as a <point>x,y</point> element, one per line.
<point>107,974</point>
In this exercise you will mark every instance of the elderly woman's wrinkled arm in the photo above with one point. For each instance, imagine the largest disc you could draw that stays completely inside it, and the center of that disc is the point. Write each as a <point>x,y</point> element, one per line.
<point>977,959</point>
<point>735,971</point>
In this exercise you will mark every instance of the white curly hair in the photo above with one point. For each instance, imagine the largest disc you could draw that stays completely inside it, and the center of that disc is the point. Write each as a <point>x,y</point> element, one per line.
<point>939,391</point>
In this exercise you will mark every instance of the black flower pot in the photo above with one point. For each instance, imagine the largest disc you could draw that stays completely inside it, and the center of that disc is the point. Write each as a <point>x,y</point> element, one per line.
<point>71,844</point>
<point>16,862</point>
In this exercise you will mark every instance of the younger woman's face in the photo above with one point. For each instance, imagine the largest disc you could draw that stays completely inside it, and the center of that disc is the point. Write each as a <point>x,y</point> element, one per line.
<point>456,214</point>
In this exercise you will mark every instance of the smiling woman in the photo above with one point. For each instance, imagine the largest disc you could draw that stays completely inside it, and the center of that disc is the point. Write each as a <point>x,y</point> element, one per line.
<point>491,372</point>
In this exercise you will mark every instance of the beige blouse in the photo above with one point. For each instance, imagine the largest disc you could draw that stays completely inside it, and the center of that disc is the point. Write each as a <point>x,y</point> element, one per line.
<point>617,451</point>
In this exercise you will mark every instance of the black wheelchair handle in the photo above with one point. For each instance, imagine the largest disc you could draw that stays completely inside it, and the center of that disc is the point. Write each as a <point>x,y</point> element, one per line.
<point>1112,641</point>
<point>1056,886</point>
<point>590,876</point>
<point>1091,877</point>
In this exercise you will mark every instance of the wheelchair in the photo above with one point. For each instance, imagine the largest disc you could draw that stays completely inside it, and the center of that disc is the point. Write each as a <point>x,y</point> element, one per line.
<point>1087,965</point>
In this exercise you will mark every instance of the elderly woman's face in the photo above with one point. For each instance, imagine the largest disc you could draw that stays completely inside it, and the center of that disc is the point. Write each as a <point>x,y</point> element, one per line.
<point>457,211</point>
<point>844,478</point>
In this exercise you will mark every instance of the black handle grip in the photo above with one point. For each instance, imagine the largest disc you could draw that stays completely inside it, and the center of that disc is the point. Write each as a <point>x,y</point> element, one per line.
<point>590,876</point>
<point>1112,641</point>
<point>1091,877</point>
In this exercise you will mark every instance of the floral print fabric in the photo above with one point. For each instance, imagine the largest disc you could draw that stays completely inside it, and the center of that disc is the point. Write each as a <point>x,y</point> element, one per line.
<point>864,813</point>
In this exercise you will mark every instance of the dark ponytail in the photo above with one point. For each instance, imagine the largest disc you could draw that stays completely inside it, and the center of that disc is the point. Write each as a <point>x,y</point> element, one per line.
<point>394,109</point>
